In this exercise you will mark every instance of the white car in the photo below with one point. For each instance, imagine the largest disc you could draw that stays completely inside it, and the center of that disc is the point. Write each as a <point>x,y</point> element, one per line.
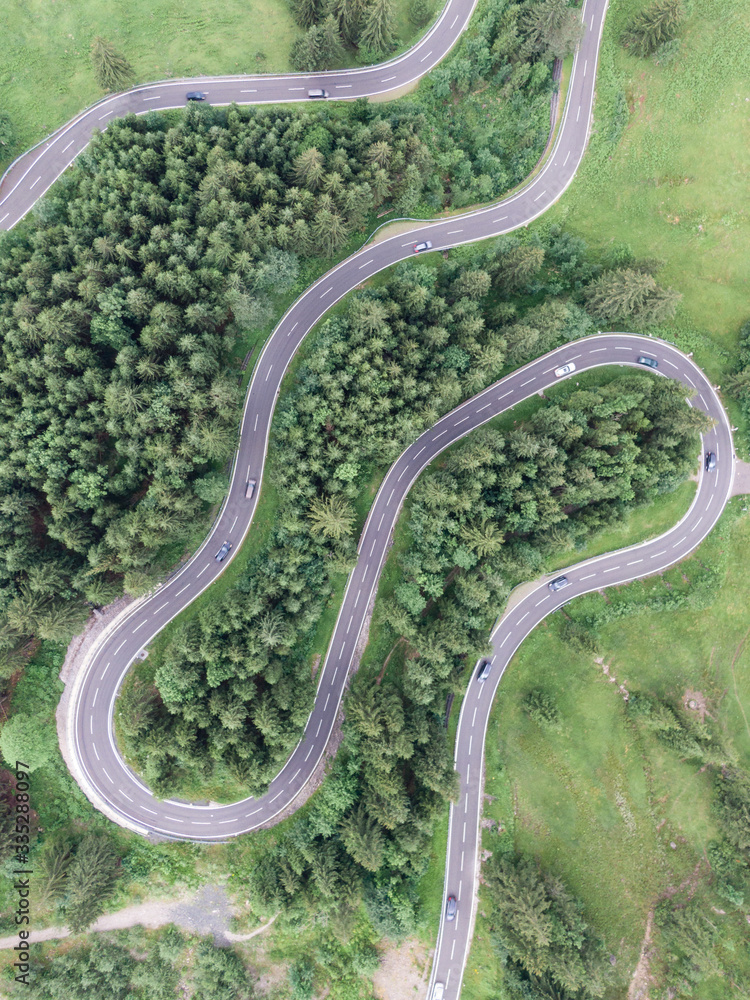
<point>438,991</point>
<point>565,370</point>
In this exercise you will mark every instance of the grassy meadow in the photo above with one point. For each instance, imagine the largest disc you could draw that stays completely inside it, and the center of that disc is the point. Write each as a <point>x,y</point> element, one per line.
<point>613,812</point>
<point>45,67</point>
<point>668,176</point>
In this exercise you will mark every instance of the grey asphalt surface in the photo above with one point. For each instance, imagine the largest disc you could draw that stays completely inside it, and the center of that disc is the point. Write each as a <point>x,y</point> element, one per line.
<point>34,172</point>
<point>109,784</point>
<point>714,489</point>
<point>99,769</point>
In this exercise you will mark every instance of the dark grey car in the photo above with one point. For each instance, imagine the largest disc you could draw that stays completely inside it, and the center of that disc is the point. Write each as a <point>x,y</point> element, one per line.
<point>649,362</point>
<point>558,583</point>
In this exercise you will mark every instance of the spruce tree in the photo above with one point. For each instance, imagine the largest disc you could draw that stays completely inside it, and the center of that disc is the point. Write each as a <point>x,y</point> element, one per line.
<point>379,27</point>
<point>654,26</point>
<point>112,69</point>
<point>91,881</point>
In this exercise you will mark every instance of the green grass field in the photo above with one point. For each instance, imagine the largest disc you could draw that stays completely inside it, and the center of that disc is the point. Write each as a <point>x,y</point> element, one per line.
<point>675,185</point>
<point>45,66</point>
<point>595,802</point>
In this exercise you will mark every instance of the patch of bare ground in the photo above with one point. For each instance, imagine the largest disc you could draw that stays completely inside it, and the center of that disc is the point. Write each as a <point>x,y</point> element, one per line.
<point>270,974</point>
<point>404,971</point>
<point>206,912</point>
<point>611,678</point>
<point>695,702</point>
<point>315,665</point>
<point>639,984</point>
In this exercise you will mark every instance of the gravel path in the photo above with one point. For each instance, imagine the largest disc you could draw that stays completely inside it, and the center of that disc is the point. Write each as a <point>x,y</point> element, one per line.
<point>205,912</point>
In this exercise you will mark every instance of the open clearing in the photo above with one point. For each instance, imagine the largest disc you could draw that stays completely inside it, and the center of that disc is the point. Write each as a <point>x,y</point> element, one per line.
<point>675,185</point>
<point>45,67</point>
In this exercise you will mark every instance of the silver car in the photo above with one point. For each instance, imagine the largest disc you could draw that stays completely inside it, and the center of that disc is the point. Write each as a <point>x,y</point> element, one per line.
<point>223,552</point>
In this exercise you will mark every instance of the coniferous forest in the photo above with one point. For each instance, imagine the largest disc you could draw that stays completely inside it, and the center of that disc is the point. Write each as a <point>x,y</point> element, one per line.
<point>122,300</point>
<point>122,297</point>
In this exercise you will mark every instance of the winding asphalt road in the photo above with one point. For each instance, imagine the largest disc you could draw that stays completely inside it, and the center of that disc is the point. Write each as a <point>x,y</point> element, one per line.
<point>714,489</point>
<point>97,766</point>
<point>33,173</point>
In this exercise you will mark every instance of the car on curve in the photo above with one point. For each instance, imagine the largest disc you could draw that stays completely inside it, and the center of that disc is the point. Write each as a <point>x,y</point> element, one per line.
<point>649,362</point>
<point>421,247</point>
<point>558,583</point>
<point>565,370</point>
<point>250,489</point>
<point>223,552</point>
<point>484,670</point>
<point>710,460</point>
<point>195,95</point>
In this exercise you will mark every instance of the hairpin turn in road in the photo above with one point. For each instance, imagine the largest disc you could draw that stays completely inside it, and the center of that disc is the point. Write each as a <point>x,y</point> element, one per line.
<point>97,764</point>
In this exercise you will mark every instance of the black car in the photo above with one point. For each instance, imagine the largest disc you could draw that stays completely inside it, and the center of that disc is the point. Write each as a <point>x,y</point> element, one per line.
<point>450,908</point>
<point>710,460</point>
<point>558,583</point>
<point>195,95</point>
<point>223,552</point>
<point>484,670</point>
<point>649,362</point>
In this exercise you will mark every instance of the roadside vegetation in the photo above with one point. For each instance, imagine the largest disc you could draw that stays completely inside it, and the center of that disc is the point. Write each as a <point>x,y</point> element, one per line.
<point>58,58</point>
<point>665,172</point>
<point>134,965</point>
<point>618,756</point>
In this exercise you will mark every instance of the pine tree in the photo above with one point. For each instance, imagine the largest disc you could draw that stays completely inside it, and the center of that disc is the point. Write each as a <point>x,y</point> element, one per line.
<point>630,294</point>
<point>379,26</point>
<point>552,29</point>
<point>348,14</point>
<point>309,168</point>
<point>331,516</point>
<point>654,26</point>
<point>112,70</point>
<point>363,838</point>
<point>517,267</point>
<point>307,12</point>
<point>319,48</point>
<point>91,881</point>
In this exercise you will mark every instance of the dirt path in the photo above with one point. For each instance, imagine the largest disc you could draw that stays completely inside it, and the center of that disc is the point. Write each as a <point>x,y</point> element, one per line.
<point>205,912</point>
<point>638,989</point>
